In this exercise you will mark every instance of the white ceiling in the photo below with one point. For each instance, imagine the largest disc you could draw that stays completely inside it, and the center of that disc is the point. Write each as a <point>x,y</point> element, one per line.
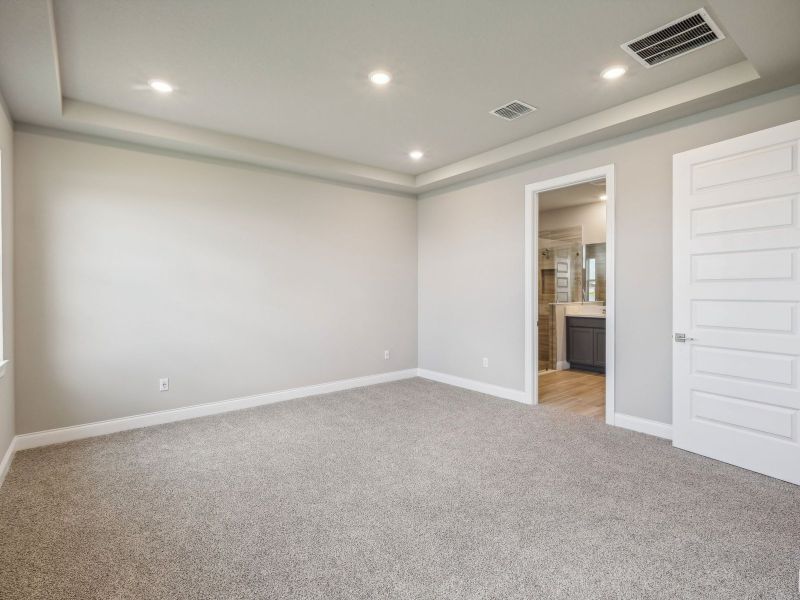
<point>295,72</point>
<point>573,195</point>
<point>286,82</point>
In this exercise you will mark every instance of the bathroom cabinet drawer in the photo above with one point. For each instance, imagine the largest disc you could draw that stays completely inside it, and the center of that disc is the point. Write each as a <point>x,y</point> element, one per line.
<point>587,322</point>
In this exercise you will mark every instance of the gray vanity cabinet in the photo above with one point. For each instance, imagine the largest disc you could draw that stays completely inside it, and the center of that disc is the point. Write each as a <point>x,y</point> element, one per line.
<point>600,347</point>
<point>586,343</point>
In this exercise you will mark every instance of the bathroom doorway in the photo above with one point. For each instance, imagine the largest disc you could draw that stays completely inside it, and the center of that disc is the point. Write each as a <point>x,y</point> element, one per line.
<point>569,293</point>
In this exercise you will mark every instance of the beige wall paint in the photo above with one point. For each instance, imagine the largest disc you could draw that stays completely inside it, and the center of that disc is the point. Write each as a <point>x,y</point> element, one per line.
<point>592,217</point>
<point>471,242</point>
<point>7,217</point>
<point>230,281</point>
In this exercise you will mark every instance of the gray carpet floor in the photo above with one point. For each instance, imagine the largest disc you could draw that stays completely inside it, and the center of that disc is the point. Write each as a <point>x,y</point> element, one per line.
<point>411,489</point>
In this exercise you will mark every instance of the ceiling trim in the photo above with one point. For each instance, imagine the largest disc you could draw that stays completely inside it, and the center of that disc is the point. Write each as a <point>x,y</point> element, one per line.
<point>531,147</point>
<point>61,133</point>
<point>83,117</point>
<point>51,17</point>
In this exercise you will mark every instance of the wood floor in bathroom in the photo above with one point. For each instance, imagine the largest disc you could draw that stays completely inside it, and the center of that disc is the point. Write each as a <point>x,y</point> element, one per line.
<point>580,392</point>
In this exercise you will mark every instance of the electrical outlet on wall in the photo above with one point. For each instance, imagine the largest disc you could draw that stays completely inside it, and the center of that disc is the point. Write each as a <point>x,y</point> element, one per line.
<point>385,355</point>
<point>163,384</point>
<point>485,362</point>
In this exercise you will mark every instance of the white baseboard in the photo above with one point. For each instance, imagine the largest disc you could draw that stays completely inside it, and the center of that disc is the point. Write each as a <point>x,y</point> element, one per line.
<point>66,434</point>
<point>476,386</point>
<point>656,428</point>
<point>5,464</point>
<point>562,365</point>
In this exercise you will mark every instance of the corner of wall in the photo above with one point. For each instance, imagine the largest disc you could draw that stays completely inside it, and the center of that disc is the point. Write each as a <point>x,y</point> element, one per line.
<point>7,398</point>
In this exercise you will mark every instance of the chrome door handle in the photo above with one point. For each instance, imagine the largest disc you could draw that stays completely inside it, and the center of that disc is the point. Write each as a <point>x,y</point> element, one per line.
<point>681,338</point>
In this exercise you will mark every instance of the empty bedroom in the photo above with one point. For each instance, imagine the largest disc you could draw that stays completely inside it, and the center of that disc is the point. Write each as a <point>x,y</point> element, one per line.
<point>404,300</point>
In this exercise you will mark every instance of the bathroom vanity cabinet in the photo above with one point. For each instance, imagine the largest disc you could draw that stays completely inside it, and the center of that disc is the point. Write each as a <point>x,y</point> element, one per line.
<point>586,343</point>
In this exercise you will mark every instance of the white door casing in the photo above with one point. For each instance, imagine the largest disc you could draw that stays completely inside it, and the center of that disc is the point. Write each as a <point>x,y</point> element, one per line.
<point>531,352</point>
<point>736,295</point>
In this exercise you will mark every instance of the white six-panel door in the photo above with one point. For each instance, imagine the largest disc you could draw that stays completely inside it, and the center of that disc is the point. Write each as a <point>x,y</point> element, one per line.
<point>736,378</point>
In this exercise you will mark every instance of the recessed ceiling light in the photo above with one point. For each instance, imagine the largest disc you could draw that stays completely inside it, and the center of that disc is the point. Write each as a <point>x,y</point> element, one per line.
<point>160,86</point>
<point>603,197</point>
<point>614,72</point>
<point>380,77</point>
<point>416,154</point>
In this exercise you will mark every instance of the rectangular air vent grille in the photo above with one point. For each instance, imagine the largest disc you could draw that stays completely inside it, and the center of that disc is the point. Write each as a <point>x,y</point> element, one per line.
<point>687,34</point>
<point>513,110</point>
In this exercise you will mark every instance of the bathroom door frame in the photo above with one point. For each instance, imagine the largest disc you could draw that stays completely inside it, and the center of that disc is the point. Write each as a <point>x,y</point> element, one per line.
<point>532,191</point>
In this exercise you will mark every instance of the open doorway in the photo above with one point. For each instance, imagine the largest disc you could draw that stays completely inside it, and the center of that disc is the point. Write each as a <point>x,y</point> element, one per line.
<point>569,293</point>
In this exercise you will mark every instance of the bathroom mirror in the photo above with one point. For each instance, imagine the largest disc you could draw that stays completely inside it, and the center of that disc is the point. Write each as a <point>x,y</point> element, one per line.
<point>594,273</point>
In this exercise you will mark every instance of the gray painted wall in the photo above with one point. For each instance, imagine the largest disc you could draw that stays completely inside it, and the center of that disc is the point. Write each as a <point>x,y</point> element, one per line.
<point>230,281</point>
<point>132,265</point>
<point>7,216</point>
<point>471,246</point>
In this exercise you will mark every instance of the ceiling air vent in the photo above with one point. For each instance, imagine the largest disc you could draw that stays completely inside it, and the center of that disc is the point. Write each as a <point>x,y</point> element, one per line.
<point>513,110</point>
<point>687,34</point>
